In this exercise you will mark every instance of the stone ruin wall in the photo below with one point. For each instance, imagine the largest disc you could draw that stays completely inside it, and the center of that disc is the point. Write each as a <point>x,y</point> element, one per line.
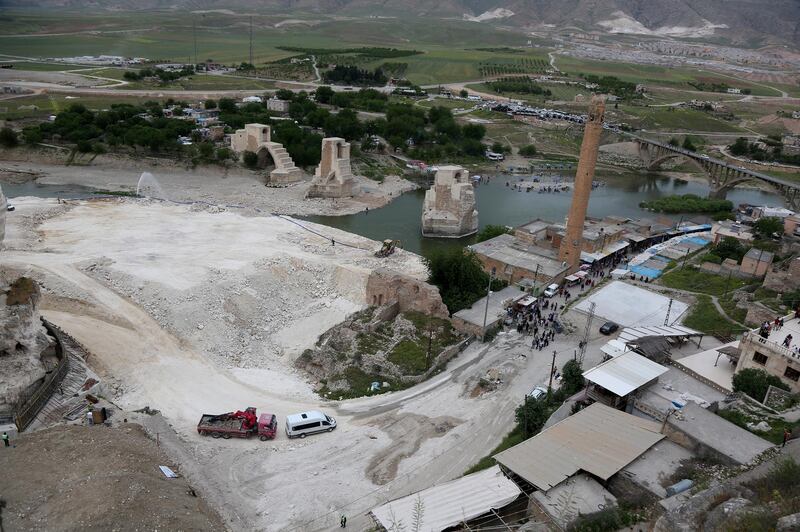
<point>385,286</point>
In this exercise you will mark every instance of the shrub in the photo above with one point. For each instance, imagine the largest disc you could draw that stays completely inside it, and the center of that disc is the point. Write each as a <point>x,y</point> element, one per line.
<point>491,231</point>
<point>8,137</point>
<point>250,159</point>
<point>224,154</point>
<point>572,375</point>
<point>755,382</point>
<point>528,151</point>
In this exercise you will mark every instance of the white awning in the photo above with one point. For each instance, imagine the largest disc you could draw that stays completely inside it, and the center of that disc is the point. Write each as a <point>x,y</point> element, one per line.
<point>630,334</point>
<point>614,348</point>
<point>451,503</point>
<point>625,373</point>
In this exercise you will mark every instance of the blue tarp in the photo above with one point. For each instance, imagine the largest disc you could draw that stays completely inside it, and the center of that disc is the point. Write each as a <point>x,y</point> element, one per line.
<point>652,273</point>
<point>699,241</point>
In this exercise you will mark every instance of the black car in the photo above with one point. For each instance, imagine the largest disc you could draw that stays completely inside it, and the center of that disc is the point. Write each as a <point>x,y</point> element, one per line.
<point>609,327</point>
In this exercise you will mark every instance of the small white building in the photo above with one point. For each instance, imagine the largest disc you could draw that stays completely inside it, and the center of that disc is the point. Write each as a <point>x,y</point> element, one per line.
<point>734,90</point>
<point>278,105</point>
<point>252,99</point>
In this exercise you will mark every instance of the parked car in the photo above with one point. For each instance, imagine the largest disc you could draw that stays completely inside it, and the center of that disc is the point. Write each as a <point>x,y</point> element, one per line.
<point>10,207</point>
<point>539,392</point>
<point>304,423</point>
<point>609,327</point>
<point>551,290</point>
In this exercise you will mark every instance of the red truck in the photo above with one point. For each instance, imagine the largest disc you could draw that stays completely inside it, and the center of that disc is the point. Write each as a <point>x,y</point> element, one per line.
<point>239,424</point>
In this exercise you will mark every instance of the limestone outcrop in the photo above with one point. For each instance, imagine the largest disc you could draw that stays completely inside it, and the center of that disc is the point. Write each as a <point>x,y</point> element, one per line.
<point>449,208</point>
<point>24,343</point>
<point>257,138</point>
<point>333,177</point>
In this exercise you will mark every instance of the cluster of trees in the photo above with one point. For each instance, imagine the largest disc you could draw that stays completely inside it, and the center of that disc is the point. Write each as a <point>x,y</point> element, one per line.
<point>532,415</point>
<point>613,85</point>
<point>460,277</point>
<point>352,75</point>
<point>529,150</point>
<point>521,85</point>
<point>714,87</point>
<point>491,231</point>
<point>769,149</point>
<point>164,76</point>
<point>364,99</point>
<point>688,143</point>
<point>730,248</point>
<point>136,126</point>
<point>687,203</point>
<point>370,51</point>
<point>8,137</point>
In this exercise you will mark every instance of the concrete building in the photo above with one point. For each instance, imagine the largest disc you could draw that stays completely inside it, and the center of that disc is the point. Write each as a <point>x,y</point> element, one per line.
<point>278,105</point>
<point>514,260</point>
<point>570,249</point>
<point>257,139</point>
<point>768,351</point>
<point>471,320</point>
<point>449,208</point>
<point>333,177</point>
<point>616,379</point>
<point>756,263</point>
<point>791,224</point>
<point>727,228</point>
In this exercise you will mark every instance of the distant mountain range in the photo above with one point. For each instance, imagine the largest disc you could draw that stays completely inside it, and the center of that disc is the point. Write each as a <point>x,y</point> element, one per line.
<point>740,20</point>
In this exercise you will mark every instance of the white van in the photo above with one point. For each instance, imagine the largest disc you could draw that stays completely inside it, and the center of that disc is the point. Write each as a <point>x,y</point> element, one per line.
<point>551,290</point>
<point>304,423</point>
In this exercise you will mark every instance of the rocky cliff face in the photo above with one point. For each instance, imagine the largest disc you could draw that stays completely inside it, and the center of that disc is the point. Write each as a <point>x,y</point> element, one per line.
<point>23,340</point>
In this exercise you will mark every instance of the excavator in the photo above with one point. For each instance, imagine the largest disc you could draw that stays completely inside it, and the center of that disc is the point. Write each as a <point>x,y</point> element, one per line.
<point>388,248</point>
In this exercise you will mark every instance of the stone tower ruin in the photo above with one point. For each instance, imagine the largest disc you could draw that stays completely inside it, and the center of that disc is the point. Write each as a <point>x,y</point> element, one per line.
<point>449,207</point>
<point>257,138</point>
<point>570,250</point>
<point>333,177</point>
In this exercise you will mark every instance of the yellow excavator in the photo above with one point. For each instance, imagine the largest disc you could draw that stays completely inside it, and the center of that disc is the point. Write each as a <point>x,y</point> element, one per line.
<point>388,247</point>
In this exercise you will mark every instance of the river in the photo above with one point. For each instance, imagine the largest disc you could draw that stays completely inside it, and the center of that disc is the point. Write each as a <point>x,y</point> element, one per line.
<point>499,204</point>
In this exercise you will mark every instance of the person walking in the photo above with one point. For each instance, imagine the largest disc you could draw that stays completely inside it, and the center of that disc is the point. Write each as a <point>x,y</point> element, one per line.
<point>343,522</point>
<point>5,440</point>
<point>786,435</point>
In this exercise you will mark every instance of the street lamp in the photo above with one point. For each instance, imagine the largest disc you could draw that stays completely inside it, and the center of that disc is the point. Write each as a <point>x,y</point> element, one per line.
<point>488,293</point>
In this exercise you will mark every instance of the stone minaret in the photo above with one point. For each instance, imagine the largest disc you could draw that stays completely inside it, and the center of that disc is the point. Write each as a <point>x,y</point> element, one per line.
<point>570,251</point>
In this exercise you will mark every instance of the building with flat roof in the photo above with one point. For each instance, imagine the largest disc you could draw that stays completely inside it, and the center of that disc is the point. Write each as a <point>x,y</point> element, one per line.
<point>514,259</point>
<point>617,378</point>
<point>775,351</point>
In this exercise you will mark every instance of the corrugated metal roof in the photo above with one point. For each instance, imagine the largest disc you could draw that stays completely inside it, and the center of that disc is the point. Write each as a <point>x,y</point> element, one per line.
<point>630,334</point>
<point>599,440</point>
<point>614,348</point>
<point>451,503</point>
<point>623,374</point>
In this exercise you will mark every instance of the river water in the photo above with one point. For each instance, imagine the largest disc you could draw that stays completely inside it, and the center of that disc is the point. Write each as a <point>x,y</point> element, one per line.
<point>499,204</point>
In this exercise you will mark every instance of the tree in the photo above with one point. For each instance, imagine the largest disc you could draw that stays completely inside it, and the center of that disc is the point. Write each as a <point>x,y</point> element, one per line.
<point>473,131</point>
<point>528,151</point>
<point>767,226</point>
<point>463,93</point>
<point>572,377</point>
<point>499,147</point>
<point>491,231</point>
<point>210,104</point>
<point>284,94</point>
<point>740,147</point>
<point>32,134</point>
<point>206,150</point>
<point>688,144</point>
<point>532,415</point>
<point>8,137</point>
<point>323,94</point>
<point>755,382</point>
<point>730,248</point>
<point>674,141</point>
<point>224,154</point>
<point>250,159</point>
<point>227,105</point>
<point>459,276</point>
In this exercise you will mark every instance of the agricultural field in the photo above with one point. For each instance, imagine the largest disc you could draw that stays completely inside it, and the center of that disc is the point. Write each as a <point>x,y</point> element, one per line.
<point>48,104</point>
<point>205,82</point>
<point>676,119</point>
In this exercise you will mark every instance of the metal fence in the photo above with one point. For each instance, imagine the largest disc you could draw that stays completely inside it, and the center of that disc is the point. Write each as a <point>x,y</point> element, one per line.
<point>27,410</point>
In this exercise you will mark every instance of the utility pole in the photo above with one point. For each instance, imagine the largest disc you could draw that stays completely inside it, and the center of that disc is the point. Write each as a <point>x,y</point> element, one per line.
<point>430,340</point>
<point>486,311</point>
<point>669,308</point>
<point>251,40</point>
<point>552,372</point>
<point>535,275</point>
<point>685,257</point>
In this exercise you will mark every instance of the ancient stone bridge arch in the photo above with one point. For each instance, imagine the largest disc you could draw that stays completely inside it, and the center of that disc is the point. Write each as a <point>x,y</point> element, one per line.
<point>257,138</point>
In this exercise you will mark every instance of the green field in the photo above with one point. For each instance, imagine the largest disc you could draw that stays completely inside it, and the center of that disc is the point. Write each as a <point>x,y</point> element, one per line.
<point>204,82</point>
<point>48,104</point>
<point>675,119</point>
